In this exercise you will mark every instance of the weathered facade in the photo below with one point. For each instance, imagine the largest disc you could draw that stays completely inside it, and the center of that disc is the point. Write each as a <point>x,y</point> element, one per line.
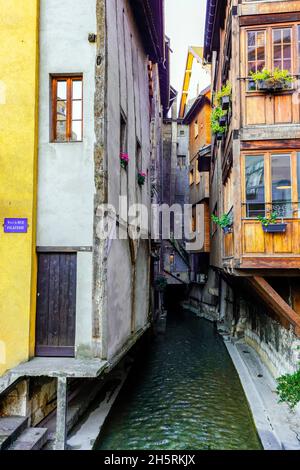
<point>198,118</point>
<point>254,172</point>
<point>102,96</point>
<point>175,192</point>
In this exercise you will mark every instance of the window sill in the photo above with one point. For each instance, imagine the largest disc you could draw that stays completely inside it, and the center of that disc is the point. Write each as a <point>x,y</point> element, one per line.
<point>66,142</point>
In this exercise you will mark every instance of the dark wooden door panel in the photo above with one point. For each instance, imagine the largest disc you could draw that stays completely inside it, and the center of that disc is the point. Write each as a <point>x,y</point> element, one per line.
<point>56,304</point>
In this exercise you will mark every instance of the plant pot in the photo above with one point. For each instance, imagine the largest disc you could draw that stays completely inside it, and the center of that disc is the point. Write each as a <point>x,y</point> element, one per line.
<point>272,85</point>
<point>227,230</point>
<point>220,136</point>
<point>225,102</point>
<point>274,228</point>
<point>223,121</point>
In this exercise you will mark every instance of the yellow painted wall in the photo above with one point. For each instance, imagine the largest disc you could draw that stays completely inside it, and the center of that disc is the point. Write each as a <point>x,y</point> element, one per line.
<point>19,26</point>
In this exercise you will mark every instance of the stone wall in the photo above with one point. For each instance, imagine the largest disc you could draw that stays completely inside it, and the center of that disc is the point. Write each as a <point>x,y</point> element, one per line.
<point>244,318</point>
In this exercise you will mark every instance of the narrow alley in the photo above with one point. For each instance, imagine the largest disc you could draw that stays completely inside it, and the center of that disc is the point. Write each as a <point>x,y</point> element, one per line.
<point>149,226</point>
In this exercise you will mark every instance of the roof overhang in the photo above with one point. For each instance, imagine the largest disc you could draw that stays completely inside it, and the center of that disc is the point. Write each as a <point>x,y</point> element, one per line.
<point>215,16</point>
<point>149,15</point>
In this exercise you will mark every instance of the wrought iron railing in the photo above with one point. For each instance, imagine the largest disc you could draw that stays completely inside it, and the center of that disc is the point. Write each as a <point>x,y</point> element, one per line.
<point>283,209</point>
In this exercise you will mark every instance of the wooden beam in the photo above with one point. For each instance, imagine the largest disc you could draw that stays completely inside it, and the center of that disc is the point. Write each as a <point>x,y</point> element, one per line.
<point>265,262</point>
<point>275,302</point>
<point>272,18</point>
<point>288,144</point>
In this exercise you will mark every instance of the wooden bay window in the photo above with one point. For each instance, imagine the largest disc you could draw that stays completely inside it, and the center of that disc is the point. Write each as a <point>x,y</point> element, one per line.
<point>271,184</point>
<point>67,109</point>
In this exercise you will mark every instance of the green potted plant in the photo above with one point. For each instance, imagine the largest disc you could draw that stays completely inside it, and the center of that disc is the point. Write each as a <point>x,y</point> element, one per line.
<point>225,222</point>
<point>223,97</point>
<point>272,81</point>
<point>217,125</point>
<point>270,224</point>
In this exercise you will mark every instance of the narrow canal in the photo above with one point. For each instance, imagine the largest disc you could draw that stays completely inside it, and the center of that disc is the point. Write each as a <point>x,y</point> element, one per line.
<point>182,394</point>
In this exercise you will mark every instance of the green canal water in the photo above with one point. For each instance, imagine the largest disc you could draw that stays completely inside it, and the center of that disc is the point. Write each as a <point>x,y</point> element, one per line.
<point>182,394</point>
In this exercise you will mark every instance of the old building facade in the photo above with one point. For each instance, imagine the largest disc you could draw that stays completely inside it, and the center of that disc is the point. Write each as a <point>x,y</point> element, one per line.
<point>100,99</point>
<point>254,174</point>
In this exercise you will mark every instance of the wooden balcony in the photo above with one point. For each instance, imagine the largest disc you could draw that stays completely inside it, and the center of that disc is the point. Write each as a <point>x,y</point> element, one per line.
<point>250,247</point>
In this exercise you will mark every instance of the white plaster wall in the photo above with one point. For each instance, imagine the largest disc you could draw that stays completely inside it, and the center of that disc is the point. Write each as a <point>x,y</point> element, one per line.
<point>66,170</point>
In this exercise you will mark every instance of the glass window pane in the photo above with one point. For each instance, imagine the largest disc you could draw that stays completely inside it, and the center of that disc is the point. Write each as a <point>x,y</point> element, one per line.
<point>76,131</point>
<point>255,186</point>
<point>251,67</point>
<point>62,90</point>
<point>61,128</point>
<point>287,64</point>
<point>261,53</point>
<point>287,35</point>
<point>287,52</point>
<point>251,38</point>
<point>277,52</point>
<point>77,90</point>
<point>77,110</point>
<point>261,38</point>
<point>61,110</point>
<point>277,36</point>
<point>260,65</point>
<point>281,185</point>
<point>251,54</point>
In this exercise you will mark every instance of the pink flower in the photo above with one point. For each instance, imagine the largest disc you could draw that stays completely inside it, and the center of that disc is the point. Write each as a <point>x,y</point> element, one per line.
<point>143,175</point>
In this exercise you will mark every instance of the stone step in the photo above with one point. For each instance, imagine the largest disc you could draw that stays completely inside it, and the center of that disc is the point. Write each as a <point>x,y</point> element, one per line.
<point>10,428</point>
<point>31,439</point>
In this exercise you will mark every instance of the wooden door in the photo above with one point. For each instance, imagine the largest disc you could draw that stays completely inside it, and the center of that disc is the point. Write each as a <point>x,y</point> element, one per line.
<point>56,304</point>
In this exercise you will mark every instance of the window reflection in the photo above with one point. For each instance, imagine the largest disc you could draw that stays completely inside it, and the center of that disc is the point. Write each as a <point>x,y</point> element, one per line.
<point>255,188</point>
<point>281,185</point>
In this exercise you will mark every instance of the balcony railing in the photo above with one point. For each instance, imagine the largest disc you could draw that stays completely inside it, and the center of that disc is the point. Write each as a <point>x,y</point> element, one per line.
<point>283,209</point>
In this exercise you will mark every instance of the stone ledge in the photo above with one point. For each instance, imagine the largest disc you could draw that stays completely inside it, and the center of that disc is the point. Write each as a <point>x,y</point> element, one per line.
<point>277,426</point>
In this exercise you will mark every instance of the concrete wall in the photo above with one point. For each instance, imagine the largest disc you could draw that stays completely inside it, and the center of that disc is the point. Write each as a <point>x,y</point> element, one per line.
<point>18,155</point>
<point>66,170</point>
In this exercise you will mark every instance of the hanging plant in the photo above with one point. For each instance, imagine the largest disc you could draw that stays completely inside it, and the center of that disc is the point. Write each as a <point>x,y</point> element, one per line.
<point>124,160</point>
<point>141,178</point>
<point>217,124</point>
<point>225,222</point>
<point>276,80</point>
<point>223,97</point>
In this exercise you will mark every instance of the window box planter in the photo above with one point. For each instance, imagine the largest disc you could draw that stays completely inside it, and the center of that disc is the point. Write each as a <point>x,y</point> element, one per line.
<point>227,230</point>
<point>272,85</point>
<point>274,228</point>
<point>225,102</point>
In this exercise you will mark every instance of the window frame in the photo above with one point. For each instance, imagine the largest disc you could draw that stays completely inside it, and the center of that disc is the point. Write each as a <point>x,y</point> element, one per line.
<point>69,79</point>
<point>269,52</point>
<point>295,190</point>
